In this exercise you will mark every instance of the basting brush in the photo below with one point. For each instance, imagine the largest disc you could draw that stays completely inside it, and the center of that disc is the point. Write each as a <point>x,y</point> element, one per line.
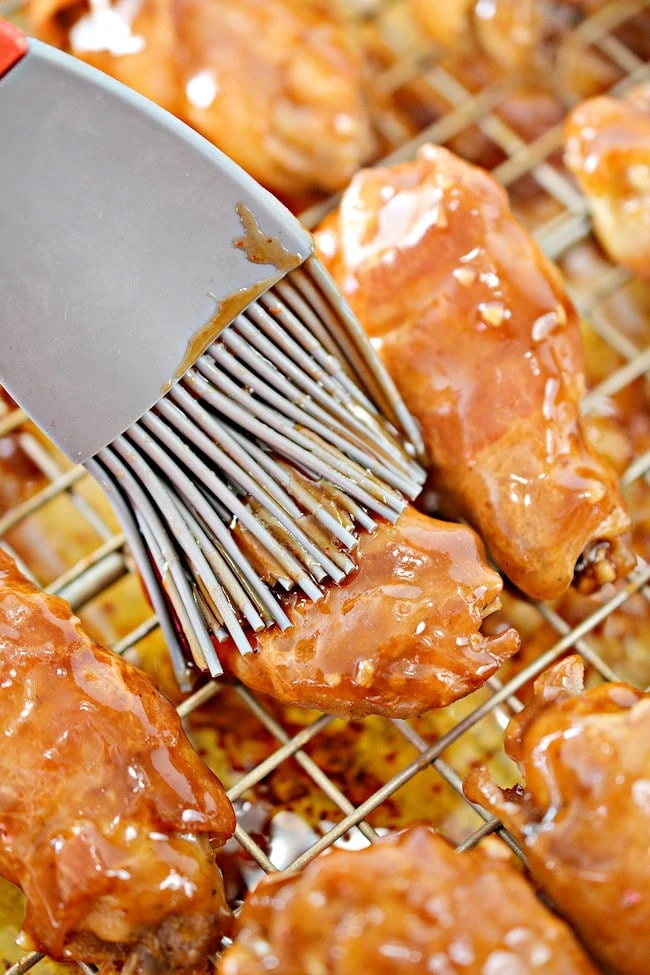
<point>166,324</point>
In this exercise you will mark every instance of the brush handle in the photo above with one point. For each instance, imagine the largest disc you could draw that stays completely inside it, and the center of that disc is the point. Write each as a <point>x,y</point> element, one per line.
<point>13,45</point>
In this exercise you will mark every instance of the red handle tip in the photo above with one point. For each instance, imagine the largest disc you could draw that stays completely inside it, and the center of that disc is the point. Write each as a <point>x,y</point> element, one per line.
<point>13,44</point>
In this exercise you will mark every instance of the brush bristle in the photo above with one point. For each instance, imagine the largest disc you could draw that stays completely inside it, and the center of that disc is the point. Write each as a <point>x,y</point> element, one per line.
<point>252,476</point>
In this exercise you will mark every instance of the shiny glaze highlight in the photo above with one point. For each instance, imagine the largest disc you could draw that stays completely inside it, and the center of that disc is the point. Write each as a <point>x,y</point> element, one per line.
<point>409,905</point>
<point>583,813</point>
<point>608,150</point>
<point>106,810</point>
<point>399,637</point>
<point>479,334</point>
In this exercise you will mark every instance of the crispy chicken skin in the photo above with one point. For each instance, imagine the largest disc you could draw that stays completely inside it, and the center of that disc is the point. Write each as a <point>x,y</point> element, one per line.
<point>407,904</point>
<point>106,810</point>
<point>475,326</point>
<point>398,638</point>
<point>276,84</point>
<point>583,813</point>
<point>608,150</point>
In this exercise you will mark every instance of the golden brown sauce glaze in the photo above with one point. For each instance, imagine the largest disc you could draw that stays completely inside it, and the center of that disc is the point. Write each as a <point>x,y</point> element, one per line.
<point>399,637</point>
<point>408,904</point>
<point>106,810</point>
<point>227,311</point>
<point>583,813</point>
<point>608,150</point>
<point>476,328</point>
<point>619,427</point>
<point>276,84</point>
<point>259,247</point>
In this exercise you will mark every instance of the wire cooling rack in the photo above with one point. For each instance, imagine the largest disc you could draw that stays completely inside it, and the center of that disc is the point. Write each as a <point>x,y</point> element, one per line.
<point>417,96</point>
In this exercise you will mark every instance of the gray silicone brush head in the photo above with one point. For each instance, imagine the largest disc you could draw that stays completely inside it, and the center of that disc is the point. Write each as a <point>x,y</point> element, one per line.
<point>164,321</point>
<point>252,476</point>
<point>116,247</point>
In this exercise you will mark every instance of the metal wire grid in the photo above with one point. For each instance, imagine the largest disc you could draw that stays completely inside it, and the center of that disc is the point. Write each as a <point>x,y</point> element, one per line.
<point>110,561</point>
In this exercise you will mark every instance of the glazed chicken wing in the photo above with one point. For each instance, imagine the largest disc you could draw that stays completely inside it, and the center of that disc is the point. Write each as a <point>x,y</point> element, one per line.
<point>407,904</point>
<point>509,31</point>
<point>288,103</point>
<point>106,811</point>
<point>447,24</point>
<point>608,150</point>
<point>475,326</point>
<point>400,637</point>
<point>521,36</point>
<point>276,84</point>
<point>583,814</point>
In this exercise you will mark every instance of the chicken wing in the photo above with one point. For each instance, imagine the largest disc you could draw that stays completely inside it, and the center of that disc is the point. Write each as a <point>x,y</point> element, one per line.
<point>400,637</point>
<point>522,36</point>
<point>288,102</point>
<point>447,24</point>
<point>106,810</point>
<point>608,150</point>
<point>475,326</point>
<point>276,84</point>
<point>583,815</point>
<point>509,31</point>
<point>407,904</point>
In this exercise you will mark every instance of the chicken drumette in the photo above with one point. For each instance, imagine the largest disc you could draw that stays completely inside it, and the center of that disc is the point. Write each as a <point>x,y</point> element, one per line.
<point>608,150</point>
<point>476,328</point>
<point>106,811</point>
<point>276,84</point>
<point>400,637</point>
<point>407,904</point>
<point>583,813</point>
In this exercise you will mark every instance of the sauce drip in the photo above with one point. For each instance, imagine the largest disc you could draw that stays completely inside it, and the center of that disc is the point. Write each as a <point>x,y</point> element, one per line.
<point>259,248</point>
<point>227,310</point>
